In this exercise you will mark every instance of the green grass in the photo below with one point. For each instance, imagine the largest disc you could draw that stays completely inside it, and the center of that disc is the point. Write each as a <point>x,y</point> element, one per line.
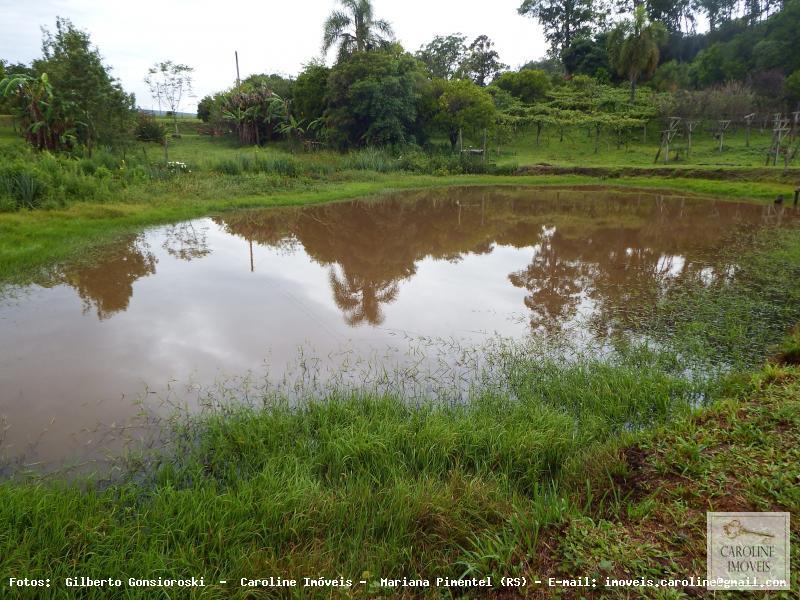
<point>348,484</point>
<point>645,505</point>
<point>578,149</point>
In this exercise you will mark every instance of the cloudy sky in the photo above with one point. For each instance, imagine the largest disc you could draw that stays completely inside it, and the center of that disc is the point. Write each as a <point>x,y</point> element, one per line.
<point>271,36</point>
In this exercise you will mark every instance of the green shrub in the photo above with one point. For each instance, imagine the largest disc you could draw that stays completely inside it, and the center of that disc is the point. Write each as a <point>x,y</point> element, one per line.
<point>7,203</point>
<point>148,129</point>
<point>414,161</point>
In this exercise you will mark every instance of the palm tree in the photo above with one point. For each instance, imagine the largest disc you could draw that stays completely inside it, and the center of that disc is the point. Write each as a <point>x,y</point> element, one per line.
<point>633,47</point>
<point>354,28</point>
<point>360,298</point>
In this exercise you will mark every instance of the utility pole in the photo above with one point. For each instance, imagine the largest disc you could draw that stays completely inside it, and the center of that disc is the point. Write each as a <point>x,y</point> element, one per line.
<point>238,81</point>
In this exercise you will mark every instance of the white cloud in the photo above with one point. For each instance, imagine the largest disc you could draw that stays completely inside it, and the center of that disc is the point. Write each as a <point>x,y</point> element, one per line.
<point>270,36</point>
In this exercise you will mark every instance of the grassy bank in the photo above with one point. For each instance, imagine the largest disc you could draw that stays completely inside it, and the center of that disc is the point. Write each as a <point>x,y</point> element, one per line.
<point>546,472</point>
<point>85,201</point>
<point>32,241</point>
<point>644,515</point>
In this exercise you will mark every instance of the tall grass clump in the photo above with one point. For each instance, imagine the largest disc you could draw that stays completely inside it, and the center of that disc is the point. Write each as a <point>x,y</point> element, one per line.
<point>445,162</point>
<point>45,180</point>
<point>370,159</point>
<point>23,186</point>
<point>285,166</point>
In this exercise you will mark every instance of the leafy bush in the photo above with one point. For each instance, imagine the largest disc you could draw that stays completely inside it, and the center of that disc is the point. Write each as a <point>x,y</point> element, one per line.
<point>7,203</point>
<point>792,86</point>
<point>529,85</point>
<point>148,129</point>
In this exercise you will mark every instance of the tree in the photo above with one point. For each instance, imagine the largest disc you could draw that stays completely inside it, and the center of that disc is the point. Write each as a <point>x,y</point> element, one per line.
<point>443,55</point>
<point>587,56</point>
<point>716,11</point>
<point>169,83</point>
<point>204,108</point>
<point>676,15</point>
<point>482,62</point>
<point>283,86</point>
<point>465,108</point>
<point>310,90</point>
<point>791,86</point>
<point>671,76</point>
<point>373,98</point>
<point>633,47</point>
<point>529,85</point>
<point>255,111</point>
<point>562,20</point>
<point>7,70</point>
<point>355,29</point>
<point>85,93</point>
<point>550,65</point>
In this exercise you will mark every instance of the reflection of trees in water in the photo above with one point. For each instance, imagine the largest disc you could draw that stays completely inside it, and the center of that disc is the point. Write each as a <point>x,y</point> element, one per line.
<point>186,241</point>
<point>554,284</point>
<point>361,299</point>
<point>107,284</point>
<point>610,247</point>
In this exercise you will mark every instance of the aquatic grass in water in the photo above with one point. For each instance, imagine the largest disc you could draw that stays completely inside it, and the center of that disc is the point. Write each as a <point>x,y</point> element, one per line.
<point>529,414</point>
<point>352,480</point>
<point>734,320</point>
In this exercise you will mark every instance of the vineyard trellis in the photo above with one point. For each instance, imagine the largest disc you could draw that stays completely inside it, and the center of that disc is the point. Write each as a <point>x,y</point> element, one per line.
<point>667,135</point>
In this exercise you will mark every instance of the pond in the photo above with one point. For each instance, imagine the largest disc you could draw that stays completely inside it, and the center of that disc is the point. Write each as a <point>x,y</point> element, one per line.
<point>298,294</point>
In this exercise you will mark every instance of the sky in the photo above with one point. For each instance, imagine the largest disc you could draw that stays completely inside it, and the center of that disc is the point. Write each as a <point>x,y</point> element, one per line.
<point>270,36</point>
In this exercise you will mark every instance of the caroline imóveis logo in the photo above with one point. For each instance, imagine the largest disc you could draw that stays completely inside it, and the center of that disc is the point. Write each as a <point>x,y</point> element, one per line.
<point>748,551</point>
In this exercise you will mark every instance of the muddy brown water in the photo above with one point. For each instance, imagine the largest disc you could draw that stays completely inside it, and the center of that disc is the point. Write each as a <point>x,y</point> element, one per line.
<point>270,292</point>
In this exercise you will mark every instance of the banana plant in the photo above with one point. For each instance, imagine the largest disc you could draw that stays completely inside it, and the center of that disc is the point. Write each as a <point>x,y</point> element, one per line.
<point>37,108</point>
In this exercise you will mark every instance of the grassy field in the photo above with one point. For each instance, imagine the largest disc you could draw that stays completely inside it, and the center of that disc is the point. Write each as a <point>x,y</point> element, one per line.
<point>592,467</point>
<point>577,148</point>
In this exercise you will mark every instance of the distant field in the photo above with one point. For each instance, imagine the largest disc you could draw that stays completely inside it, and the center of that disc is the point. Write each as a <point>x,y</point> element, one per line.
<point>577,148</point>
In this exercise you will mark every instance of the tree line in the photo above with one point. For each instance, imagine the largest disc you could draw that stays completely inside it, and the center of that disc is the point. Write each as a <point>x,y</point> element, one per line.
<point>452,89</point>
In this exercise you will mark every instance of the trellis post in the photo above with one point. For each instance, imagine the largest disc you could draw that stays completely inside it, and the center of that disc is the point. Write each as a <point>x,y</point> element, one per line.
<point>748,119</point>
